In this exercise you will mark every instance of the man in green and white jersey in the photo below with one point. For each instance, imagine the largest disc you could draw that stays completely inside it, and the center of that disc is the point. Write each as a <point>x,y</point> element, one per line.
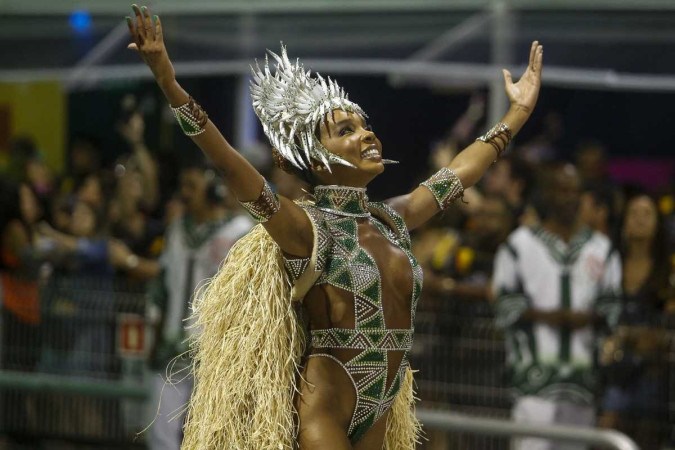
<point>556,285</point>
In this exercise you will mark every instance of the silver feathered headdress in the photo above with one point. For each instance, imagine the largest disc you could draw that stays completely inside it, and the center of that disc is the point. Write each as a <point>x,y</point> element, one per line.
<point>290,104</point>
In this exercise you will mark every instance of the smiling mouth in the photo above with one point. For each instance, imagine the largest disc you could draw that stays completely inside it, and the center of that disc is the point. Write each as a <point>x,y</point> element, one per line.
<point>370,153</point>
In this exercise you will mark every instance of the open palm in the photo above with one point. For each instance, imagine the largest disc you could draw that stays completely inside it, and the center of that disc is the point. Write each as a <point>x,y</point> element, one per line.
<point>524,93</point>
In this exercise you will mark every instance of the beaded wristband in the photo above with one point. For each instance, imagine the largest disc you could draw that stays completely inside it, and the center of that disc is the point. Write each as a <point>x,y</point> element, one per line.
<point>191,118</point>
<point>445,186</point>
<point>264,207</point>
<point>498,137</point>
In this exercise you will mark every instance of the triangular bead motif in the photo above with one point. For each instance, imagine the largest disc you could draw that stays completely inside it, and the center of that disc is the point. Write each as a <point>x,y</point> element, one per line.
<point>296,267</point>
<point>372,291</point>
<point>389,342</point>
<point>364,310</point>
<point>376,388</point>
<point>360,340</point>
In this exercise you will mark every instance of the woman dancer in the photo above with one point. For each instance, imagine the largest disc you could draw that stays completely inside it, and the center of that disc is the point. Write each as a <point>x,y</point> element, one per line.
<point>348,264</point>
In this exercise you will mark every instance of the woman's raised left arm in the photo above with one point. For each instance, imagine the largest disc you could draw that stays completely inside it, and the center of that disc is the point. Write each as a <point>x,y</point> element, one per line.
<point>470,164</point>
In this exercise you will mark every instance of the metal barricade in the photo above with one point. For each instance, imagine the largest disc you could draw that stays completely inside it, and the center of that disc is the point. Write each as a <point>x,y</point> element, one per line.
<point>461,361</point>
<point>79,372</point>
<point>500,427</point>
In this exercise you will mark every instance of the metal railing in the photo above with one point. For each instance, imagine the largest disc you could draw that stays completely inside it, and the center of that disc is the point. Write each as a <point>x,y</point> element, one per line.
<point>501,427</point>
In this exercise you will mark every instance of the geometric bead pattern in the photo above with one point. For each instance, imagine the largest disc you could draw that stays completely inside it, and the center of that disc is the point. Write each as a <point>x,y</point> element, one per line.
<point>191,118</point>
<point>445,187</point>
<point>264,207</point>
<point>348,266</point>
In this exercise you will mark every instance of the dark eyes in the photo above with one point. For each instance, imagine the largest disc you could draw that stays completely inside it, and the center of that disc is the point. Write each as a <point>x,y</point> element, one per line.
<point>348,129</point>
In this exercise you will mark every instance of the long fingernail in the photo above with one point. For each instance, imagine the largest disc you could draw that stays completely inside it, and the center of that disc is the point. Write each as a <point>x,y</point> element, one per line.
<point>155,17</point>
<point>128,19</point>
<point>144,8</point>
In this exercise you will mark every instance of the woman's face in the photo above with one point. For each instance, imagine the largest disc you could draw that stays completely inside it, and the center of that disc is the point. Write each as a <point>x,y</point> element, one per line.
<point>91,190</point>
<point>641,219</point>
<point>83,220</point>
<point>348,136</point>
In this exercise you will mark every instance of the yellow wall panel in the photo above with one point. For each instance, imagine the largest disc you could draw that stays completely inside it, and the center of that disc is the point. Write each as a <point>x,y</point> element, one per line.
<point>38,110</point>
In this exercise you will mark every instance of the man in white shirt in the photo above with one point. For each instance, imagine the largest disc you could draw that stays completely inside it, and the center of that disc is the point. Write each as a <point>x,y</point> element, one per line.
<point>556,284</point>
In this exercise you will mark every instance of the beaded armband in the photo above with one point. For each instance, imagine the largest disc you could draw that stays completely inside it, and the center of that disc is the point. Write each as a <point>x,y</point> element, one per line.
<point>445,186</point>
<point>498,137</point>
<point>191,118</point>
<point>264,207</point>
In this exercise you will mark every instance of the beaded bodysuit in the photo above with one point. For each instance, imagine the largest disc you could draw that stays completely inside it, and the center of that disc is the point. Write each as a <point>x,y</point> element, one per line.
<point>345,264</point>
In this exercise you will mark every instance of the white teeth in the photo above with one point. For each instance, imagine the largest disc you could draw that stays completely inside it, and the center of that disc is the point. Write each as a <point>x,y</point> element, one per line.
<point>370,154</point>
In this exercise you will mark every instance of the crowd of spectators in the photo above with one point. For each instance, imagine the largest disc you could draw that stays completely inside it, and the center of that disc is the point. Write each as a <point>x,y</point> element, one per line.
<point>512,244</point>
<point>96,226</point>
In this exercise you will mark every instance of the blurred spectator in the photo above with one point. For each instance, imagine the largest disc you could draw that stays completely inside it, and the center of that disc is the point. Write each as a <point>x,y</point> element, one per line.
<point>553,284</point>
<point>195,245</point>
<point>19,213</point>
<point>27,166</point>
<point>137,191</point>
<point>597,208</point>
<point>591,161</point>
<point>512,179</point>
<point>543,147</point>
<point>20,321</point>
<point>84,158</point>
<point>79,296</point>
<point>460,264</point>
<point>635,355</point>
<point>462,133</point>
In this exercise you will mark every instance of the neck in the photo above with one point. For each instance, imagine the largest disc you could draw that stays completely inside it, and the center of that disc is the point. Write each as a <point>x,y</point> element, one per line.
<point>342,200</point>
<point>638,248</point>
<point>563,230</point>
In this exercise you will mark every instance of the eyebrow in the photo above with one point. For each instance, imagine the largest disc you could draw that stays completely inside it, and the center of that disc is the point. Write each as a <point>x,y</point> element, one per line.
<point>351,118</point>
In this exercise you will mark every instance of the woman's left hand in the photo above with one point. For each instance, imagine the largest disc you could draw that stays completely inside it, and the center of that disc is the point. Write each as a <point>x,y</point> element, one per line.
<point>523,94</point>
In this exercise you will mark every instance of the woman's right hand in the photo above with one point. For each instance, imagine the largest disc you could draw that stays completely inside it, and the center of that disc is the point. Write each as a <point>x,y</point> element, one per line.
<point>146,33</point>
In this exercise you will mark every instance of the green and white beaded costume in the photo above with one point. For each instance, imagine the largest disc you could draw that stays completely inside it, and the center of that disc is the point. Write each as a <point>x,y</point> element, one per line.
<point>345,264</point>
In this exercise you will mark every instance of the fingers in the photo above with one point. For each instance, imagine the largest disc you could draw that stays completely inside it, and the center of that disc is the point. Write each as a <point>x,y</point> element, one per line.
<point>140,26</point>
<point>538,60</point>
<point>533,52</point>
<point>158,29</point>
<point>147,23</point>
<point>536,57</point>
<point>132,29</point>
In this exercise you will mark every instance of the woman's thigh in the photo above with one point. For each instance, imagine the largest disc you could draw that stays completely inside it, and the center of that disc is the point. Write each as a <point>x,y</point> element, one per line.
<point>325,405</point>
<point>322,432</point>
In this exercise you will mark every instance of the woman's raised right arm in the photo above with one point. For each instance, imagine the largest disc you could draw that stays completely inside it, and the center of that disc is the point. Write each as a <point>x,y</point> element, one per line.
<point>289,227</point>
